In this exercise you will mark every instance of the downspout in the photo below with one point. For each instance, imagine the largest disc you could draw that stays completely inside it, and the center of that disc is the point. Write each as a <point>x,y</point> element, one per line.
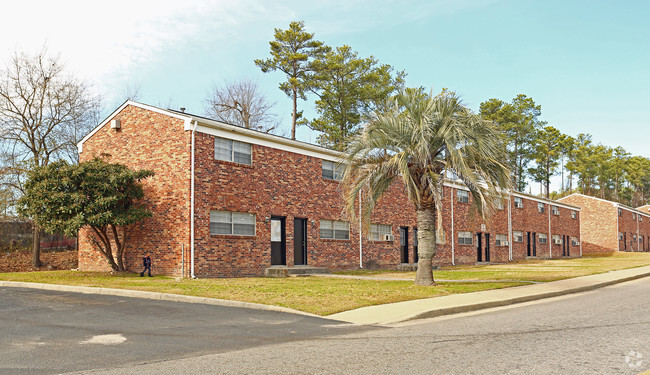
<point>580,231</point>
<point>638,240</point>
<point>509,227</point>
<point>192,275</point>
<point>360,239</point>
<point>618,229</point>
<point>550,235</point>
<point>453,235</point>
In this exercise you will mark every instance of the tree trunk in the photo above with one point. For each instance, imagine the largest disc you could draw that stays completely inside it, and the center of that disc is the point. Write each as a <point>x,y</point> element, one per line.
<point>295,113</point>
<point>426,246</point>
<point>36,246</point>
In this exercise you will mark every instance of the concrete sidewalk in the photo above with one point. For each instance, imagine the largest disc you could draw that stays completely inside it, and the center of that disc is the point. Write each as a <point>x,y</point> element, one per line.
<point>457,303</point>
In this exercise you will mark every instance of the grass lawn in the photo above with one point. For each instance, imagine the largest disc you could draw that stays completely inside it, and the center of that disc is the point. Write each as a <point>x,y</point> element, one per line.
<point>325,296</point>
<point>316,295</point>
<point>529,270</point>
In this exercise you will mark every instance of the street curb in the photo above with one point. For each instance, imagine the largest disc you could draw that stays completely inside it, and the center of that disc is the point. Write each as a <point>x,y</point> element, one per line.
<point>513,301</point>
<point>153,296</point>
<point>398,312</point>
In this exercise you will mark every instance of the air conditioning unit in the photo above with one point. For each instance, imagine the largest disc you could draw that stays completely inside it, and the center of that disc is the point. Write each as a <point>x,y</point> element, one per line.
<point>506,243</point>
<point>389,237</point>
<point>557,242</point>
<point>115,124</point>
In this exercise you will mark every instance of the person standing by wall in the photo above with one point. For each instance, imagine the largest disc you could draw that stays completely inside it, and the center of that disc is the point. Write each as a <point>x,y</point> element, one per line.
<point>146,263</point>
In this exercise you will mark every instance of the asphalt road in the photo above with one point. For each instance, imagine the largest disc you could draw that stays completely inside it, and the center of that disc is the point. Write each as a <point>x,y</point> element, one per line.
<point>606,331</point>
<point>46,332</point>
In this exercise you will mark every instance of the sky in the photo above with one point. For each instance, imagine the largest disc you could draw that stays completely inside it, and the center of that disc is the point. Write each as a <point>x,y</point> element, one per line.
<point>587,63</point>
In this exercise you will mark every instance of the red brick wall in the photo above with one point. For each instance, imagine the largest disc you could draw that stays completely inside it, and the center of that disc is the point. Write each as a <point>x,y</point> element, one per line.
<point>599,223</point>
<point>286,184</point>
<point>525,219</point>
<point>148,140</point>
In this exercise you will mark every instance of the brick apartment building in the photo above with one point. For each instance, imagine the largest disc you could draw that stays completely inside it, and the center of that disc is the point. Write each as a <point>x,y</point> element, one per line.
<point>229,201</point>
<point>611,226</point>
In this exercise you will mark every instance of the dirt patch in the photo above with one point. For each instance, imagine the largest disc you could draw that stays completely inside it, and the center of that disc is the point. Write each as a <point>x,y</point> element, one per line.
<point>21,261</point>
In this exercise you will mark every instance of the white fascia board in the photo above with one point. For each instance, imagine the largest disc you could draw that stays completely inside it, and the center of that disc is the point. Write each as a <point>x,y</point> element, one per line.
<point>240,134</point>
<point>547,201</point>
<point>633,210</point>
<point>459,185</point>
<point>186,119</point>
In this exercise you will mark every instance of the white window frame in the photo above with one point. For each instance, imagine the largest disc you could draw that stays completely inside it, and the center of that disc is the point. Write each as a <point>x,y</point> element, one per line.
<point>557,239</point>
<point>574,214</point>
<point>340,230</point>
<point>555,210</point>
<point>517,236</point>
<point>462,196</point>
<point>574,241</point>
<point>377,231</point>
<point>621,236</point>
<point>465,238</point>
<point>542,238</point>
<point>541,208</point>
<point>501,240</point>
<point>332,171</point>
<point>519,202</point>
<point>233,151</point>
<point>500,205</point>
<point>237,222</point>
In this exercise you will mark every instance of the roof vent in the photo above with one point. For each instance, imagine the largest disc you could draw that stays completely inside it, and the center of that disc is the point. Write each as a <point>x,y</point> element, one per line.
<point>183,109</point>
<point>115,124</point>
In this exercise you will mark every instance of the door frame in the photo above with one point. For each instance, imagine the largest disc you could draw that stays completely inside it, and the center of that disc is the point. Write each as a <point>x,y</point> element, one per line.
<point>300,245</point>
<point>281,247</point>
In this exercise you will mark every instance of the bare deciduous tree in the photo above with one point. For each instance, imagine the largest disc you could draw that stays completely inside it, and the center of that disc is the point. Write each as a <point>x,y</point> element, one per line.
<point>44,112</point>
<point>241,103</point>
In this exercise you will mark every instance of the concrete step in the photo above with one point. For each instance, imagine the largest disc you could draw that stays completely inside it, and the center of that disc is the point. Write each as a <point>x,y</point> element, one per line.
<point>286,271</point>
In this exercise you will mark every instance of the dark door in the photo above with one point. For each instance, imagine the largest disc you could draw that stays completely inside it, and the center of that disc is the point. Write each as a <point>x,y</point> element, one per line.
<point>278,241</point>
<point>479,247</point>
<point>534,240</point>
<point>487,247</point>
<point>415,245</point>
<point>528,247</point>
<point>299,241</point>
<point>404,243</point>
<point>624,241</point>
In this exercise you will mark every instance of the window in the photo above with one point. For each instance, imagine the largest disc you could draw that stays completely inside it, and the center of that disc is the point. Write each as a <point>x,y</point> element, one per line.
<point>332,170</point>
<point>334,230</point>
<point>501,240</point>
<point>377,231</point>
<point>518,236</point>
<point>574,214</point>
<point>540,207</point>
<point>464,238</point>
<point>500,204</point>
<point>633,216</point>
<point>237,223</point>
<point>519,203</point>
<point>574,241</point>
<point>557,239</point>
<point>463,196</point>
<point>640,218</point>
<point>229,150</point>
<point>543,238</point>
<point>621,236</point>
<point>556,210</point>
<point>620,212</point>
<point>634,237</point>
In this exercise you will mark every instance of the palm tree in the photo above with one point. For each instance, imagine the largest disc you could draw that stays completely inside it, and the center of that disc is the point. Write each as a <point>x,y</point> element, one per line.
<point>423,140</point>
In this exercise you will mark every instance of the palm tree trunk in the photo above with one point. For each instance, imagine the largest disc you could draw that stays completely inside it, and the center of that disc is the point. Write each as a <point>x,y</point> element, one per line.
<point>426,246</point>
